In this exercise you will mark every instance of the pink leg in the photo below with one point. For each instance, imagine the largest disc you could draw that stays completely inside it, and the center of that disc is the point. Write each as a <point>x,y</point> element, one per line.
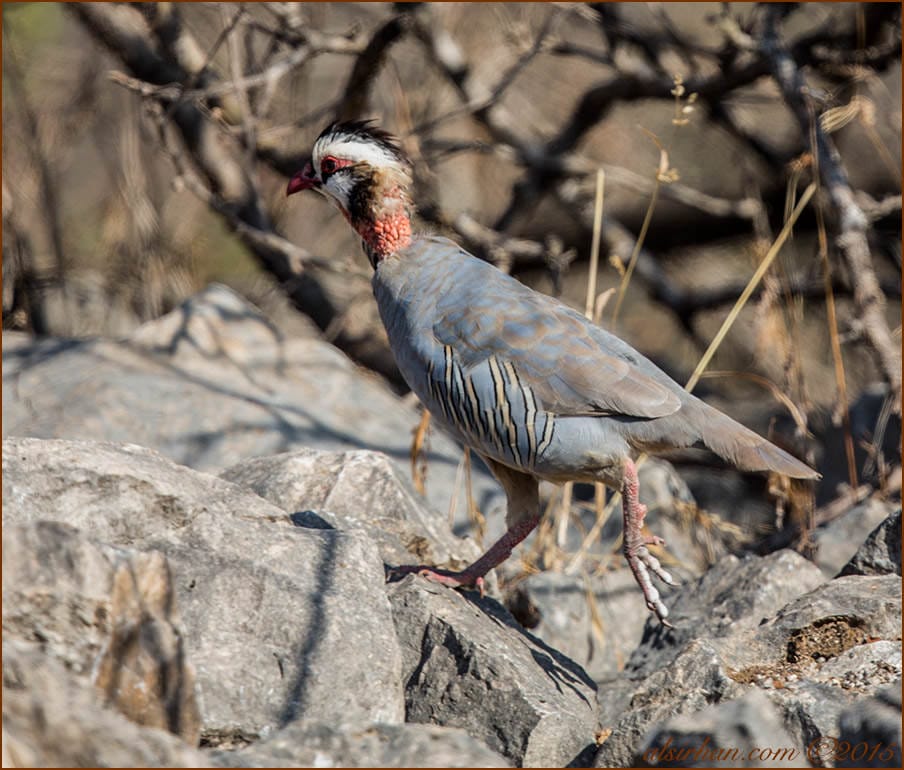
<point>639,558</point>
<point>473,574</point>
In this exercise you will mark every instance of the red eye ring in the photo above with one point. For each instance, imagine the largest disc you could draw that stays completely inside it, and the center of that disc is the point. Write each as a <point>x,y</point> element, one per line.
<point>328,165</point>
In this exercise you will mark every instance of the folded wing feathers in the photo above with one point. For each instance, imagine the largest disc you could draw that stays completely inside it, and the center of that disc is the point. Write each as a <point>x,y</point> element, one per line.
<point>558,353</point>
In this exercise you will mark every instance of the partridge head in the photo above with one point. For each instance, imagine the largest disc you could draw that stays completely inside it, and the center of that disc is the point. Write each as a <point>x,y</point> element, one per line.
<point>529,384</point>
<point>363,171</point>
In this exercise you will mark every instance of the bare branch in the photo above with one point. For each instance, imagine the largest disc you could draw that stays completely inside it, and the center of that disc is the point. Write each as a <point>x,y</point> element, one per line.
<point>367,66</point>
<point>124,31</point>
<point>852,223</point>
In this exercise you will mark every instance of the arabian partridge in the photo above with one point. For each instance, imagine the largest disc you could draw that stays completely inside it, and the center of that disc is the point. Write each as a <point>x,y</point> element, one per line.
<point>533,387</point>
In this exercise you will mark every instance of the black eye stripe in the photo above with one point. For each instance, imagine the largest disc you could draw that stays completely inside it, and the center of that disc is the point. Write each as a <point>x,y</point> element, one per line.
<point>337,166</point>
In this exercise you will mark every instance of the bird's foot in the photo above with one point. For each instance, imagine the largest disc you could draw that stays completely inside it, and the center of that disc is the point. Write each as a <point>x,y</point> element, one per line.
<point>643,564</point>
<point>461,579</point>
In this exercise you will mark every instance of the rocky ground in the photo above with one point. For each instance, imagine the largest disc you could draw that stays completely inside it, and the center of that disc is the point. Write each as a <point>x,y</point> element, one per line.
<point>213,592</point>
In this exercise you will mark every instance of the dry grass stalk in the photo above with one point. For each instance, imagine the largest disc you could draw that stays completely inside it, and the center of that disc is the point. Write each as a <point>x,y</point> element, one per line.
<point>661,176</point>
<point>453,501</point>
<point>418,455</point>
<point>595,243</point>
<point>477,519</point>
<point>593,534</point>
<point>563,513</point>
<point>750,288</point>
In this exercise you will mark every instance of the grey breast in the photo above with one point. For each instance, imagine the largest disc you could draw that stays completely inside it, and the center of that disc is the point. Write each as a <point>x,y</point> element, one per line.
<point>433,300</point>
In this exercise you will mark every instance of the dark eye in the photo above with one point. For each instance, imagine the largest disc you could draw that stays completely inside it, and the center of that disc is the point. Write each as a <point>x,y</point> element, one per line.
<point>328,165</point>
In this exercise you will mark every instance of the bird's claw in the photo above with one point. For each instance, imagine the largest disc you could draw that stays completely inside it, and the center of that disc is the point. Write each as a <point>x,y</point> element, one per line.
<point>642,563</point>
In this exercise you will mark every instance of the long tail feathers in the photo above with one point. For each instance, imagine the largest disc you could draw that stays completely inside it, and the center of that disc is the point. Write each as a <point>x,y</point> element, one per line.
<point>748,450</point>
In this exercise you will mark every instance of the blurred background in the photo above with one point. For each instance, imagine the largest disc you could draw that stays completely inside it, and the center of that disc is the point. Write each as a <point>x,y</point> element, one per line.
<point>146,149</point>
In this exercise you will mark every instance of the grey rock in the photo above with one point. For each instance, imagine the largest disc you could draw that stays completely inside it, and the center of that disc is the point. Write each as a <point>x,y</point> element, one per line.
<point>787,654</point>
<point>814,700</point>
<point>683,669</point>
<point>50,719</point>
<point>214,383</point>
<point>840,540</point>
<point>556,608</point>
<point>694,679</point>
<point>807,656</point>
<point>880,554</point>
<point>377,745</point>
<point>123,494</point>
<point>269,608</point>
<point>357,490</point>
<point>734,594</point>
<point>468,664</point>
<point>826,622</point>
<point>864,667</point>
<point>802,655</point>
<point>872,728</point>
<point>810,713</point>
<point>746,732</point>
<point>108,615</point>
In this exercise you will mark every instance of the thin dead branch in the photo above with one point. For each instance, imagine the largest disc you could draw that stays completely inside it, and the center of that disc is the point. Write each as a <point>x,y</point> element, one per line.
<point>851,239</point>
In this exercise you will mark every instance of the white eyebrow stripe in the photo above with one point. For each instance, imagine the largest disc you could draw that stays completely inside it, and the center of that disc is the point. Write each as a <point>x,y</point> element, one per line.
<point>357,151</point>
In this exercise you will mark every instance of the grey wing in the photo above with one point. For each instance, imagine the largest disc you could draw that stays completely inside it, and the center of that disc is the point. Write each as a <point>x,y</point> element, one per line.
<point>571,366</point>
<point>503,363</point>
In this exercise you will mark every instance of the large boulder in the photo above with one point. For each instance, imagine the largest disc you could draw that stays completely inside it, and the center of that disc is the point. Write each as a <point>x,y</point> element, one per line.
<point>50,719</point>
<point>467,663</point>
<point>107,614</point>
<point>357,490</point>
<point>281,622</point>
